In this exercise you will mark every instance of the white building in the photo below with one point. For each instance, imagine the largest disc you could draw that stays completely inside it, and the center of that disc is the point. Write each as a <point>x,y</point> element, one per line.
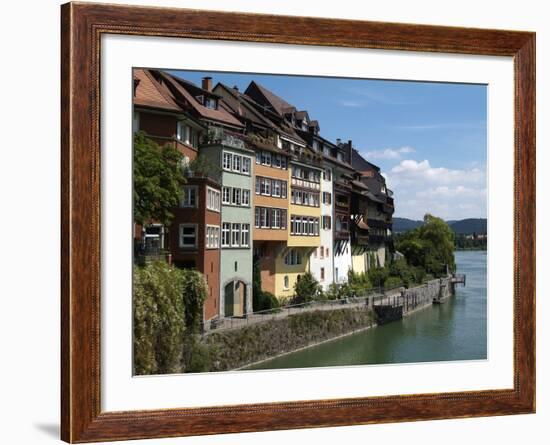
<point>321,259</point>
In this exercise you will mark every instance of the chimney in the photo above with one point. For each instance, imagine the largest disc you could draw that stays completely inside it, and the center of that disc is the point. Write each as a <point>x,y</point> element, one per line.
<point>235,87</point>
<point>207,83</point>
<point>350,151</point>
<point>338,141</point>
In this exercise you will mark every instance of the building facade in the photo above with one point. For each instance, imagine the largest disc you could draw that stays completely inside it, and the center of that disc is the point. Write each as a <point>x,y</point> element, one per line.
<point>269,190</point>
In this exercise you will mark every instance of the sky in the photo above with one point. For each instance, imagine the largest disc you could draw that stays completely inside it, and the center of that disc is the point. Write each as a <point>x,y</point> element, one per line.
<point>429,139</point>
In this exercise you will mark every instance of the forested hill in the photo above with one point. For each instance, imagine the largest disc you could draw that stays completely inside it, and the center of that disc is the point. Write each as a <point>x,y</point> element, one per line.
<point>463,226</point>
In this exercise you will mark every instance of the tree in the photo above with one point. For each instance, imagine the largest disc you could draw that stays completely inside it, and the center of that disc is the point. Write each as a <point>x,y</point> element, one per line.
<point>158,180</point>
<point>159,319</point>
<point>430,246</point>
<point>306,289</point>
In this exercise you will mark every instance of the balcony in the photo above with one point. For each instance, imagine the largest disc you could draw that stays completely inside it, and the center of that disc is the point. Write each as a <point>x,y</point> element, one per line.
<point>218,135</point>
<point>304,183</point>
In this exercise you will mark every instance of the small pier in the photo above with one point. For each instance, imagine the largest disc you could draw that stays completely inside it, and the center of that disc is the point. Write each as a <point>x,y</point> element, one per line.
<point>459,278</point>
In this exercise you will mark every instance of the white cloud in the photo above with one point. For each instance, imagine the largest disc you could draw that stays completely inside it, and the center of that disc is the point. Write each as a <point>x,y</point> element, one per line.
<point>389,153</point>
<point>351,103</point>
<point>420,188</point>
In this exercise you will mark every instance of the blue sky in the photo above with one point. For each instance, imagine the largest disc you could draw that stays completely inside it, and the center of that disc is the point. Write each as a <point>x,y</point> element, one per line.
<point>430,139</point>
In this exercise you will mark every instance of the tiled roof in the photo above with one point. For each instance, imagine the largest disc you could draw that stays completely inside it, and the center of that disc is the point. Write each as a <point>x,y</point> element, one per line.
<point>248,103</point>
<point>180,88</point>
<point>256,91</point>
<point>150,93</point>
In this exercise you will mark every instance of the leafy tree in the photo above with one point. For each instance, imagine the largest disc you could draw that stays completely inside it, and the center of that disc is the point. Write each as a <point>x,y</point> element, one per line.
<point>306,289</point>
<point>430,246</point>
<point>159,319</point>
<point>194,292</point>
<point>158,180</point>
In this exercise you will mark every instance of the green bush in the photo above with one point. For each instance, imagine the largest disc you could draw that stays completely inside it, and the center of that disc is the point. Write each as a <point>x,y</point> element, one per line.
<point>168,304</point>
<point>378,276</point>
<point>159,319</point>
<point>392,282</point>
<point>306,289</point>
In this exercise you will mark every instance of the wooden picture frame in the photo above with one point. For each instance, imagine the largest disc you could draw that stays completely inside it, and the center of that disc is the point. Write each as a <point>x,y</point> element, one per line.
<point>82,26</point>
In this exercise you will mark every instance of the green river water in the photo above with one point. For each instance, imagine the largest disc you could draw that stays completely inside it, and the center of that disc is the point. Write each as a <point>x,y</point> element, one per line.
<point>456,330</point>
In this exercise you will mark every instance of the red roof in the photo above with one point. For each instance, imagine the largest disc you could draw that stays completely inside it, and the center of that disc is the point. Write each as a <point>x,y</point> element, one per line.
<point>150,93</point>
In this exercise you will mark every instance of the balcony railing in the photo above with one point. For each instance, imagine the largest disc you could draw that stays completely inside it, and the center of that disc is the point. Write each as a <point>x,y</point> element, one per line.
<point>220,136</point>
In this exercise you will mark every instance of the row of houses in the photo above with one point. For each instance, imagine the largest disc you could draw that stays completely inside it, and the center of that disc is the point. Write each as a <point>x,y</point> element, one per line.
<point>276,193</point>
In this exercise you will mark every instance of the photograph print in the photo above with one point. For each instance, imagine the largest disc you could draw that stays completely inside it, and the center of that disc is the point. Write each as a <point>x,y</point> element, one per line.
<point>285,221</point>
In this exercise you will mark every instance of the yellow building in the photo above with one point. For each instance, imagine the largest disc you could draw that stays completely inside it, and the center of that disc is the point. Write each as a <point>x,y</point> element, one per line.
<point>304,220</point>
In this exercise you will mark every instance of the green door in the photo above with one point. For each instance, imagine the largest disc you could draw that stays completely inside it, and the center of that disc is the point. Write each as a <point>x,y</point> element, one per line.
<point>229,297</point>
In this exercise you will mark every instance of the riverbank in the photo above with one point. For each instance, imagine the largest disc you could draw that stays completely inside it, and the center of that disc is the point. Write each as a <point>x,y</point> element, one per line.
<point>252,345</point>
<point>455,330</point>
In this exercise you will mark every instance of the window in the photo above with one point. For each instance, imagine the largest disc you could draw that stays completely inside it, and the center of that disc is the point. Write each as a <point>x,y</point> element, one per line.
<point>326,252</point>
<point>283,162</point>
<point>237,163</point>
<point>246,165</point>
<point>275,218</point>
<point>327,198</point>
<point>257,217</point>
<point>226,195</point>
<point>212,237</point>
<point>188,236</point>
<point>236,197</point>
<point>283,189</point>
<point>304,225</point>
<point>322,274</point>
<point>285,282</point>
<point>245,235</point>
<point>235,231</point>
<point>293,258</point>
<point>135,122</point>
<point>226,227</point>
<point>213,199</point>
<point>211,103</point>
<point>327,222</point>
<point>258,185</point>
<point>258,157</point>
<point>246,198</point>
<point>264,223</point>
<point>189,197</point>
<point>267,186</point>
<point>227,158</point>
<point>181,131</point>
<point>322,252</point>
<point>277,188</point>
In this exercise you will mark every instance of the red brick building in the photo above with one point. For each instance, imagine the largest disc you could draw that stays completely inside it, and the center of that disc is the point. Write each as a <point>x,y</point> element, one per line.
<point>193,238</point>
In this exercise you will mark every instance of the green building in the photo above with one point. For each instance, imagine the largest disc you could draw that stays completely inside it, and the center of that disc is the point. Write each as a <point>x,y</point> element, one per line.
<point>235,163</point>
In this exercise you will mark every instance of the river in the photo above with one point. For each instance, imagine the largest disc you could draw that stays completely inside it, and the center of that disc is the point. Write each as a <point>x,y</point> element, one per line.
<point>456,330</point>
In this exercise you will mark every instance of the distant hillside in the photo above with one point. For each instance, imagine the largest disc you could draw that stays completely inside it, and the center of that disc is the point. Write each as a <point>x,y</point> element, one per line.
<point>470,225</point>
<point>405,224</point>
<point>465,226</point>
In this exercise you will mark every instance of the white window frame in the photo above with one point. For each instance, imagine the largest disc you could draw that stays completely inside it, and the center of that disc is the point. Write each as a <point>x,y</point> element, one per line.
<point>245,201</point>
<point>245,162</point>
<point>235,234</point>
<point>237,163</point>
<point>245,235</point>
<point>212,237</point>
<point>236,196</point>
<point>227,159</point>
<point>182,236</point>
<point>213,199</point>
<point>226,233</point>
<point>226,190</point>
<point>185,196</point>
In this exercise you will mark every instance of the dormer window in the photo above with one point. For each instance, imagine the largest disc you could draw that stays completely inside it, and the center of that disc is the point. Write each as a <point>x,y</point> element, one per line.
<point>304,125</point>
<point>211,103</point>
